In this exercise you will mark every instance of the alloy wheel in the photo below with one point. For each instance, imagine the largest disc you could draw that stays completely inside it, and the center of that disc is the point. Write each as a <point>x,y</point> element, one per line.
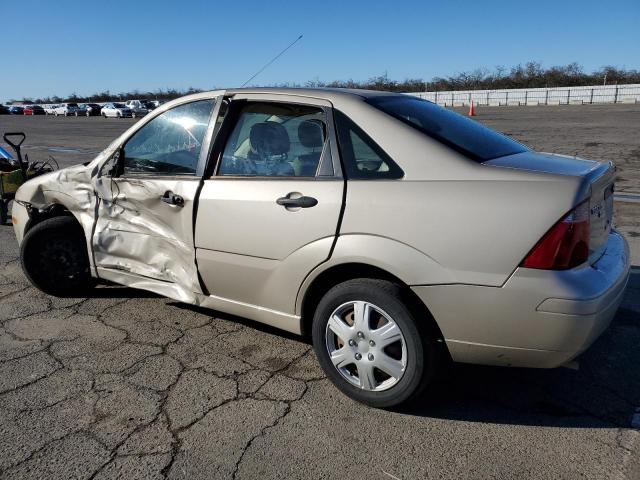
<point>366,346</point>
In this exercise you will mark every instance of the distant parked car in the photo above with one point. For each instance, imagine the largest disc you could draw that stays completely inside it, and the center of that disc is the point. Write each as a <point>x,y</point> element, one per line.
<point>16,110</point>
<point>90,109</point>
<point>4,110</point>
<point>66,109</point>
<point>81,111</point>
<point>119,110</point>
<point>157,103</point>
<point>49,109</point>
<point>33,110</point>
<point>138,108</point>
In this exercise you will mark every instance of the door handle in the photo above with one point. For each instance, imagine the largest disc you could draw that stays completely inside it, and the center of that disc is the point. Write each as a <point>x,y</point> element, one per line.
<point>172,199</point>
<point>300,202</point>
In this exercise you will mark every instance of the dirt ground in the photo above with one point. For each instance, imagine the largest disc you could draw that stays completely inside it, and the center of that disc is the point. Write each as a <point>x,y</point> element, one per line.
<point>126,384</point>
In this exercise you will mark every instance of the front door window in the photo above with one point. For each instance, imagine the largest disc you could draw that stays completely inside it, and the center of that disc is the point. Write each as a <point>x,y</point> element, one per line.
<point>170,143</point>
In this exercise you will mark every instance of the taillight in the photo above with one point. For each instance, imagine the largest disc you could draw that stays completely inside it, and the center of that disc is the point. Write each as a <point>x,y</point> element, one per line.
<point>566,245</point>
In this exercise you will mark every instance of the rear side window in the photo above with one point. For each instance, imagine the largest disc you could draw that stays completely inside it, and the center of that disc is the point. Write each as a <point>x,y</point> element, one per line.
<point>362,157</point>
<point>469,137</point>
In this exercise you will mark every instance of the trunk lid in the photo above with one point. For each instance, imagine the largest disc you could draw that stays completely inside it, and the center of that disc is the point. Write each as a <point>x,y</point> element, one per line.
<point>600,209</point>
<point>600,177</point>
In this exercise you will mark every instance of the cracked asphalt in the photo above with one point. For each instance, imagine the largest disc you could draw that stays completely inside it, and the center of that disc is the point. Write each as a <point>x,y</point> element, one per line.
<point>126,384</point>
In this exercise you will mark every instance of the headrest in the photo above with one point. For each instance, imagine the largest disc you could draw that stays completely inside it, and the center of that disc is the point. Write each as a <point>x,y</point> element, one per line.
<point>311,133</point>
<point>269,138</point>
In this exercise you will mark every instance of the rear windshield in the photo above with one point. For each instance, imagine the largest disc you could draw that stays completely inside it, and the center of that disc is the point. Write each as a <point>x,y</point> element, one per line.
<point>467,136</point>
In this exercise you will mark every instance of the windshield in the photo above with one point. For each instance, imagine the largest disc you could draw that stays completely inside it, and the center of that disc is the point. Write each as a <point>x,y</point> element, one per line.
<point>467,136</point>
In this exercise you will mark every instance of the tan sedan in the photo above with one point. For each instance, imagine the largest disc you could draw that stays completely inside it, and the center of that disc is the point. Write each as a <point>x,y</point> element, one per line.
<point>397,233</point>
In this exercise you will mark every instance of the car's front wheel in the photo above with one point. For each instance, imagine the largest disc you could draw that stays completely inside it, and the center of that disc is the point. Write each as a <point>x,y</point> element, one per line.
<point>54,257</point>
<point>370,345</point>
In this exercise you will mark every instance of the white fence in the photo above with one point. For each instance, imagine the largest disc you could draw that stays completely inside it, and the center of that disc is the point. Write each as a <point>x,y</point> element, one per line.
<point>537,96</point>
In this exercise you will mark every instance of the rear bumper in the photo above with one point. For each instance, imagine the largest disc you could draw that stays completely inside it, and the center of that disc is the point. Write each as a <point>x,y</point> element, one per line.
<point>538,318</point>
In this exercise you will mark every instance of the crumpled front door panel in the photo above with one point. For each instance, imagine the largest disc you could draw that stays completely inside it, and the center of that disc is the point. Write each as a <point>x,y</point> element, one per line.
<point>151,241</point>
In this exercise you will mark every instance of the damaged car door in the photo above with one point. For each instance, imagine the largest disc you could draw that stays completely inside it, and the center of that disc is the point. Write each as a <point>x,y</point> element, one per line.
<point>143,235</point>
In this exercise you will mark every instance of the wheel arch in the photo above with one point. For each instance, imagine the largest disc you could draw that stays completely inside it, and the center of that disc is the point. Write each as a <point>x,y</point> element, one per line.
<point>51,210</point>
<point>343,272</point>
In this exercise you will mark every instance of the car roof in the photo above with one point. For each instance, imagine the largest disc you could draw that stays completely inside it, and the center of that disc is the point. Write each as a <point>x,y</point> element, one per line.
<point>323,93</point>
<point>336,96</point>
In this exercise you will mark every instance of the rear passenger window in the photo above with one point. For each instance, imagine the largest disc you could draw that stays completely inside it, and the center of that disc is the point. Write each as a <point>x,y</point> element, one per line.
<point>362,157</point>
<point>275,140</point>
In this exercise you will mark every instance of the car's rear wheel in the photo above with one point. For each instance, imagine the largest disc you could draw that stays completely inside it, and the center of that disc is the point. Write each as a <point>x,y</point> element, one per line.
<point>54,257</point>
<point>370,345</point>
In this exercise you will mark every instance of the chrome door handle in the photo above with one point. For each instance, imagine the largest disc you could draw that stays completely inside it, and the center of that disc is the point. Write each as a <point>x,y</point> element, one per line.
<point>172,199</point>
<point>300,202</point>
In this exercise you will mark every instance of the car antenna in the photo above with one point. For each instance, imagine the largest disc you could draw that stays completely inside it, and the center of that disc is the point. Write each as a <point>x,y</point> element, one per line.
<point>272,60</point>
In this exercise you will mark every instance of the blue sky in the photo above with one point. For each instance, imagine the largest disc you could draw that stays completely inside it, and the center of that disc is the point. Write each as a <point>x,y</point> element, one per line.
<point>60,47</point>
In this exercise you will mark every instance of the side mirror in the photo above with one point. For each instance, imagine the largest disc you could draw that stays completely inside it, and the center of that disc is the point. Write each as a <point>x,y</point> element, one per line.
<point>120,162</point>
<point>115,166</point>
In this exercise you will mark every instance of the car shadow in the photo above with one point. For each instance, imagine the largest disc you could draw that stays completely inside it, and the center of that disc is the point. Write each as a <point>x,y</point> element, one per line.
<point>112,290</point>
<point>262,327</point>
<point>602,392</point>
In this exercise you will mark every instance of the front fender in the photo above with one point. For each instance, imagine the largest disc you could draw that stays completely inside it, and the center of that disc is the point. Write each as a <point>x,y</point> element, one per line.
<point>70,188</point>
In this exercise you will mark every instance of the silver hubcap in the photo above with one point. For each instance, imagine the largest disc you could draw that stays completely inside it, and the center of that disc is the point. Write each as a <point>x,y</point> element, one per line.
<point>366,346</point>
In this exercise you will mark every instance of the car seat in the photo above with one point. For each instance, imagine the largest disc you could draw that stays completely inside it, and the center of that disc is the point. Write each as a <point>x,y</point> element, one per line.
<point>311,134</point>
<point>270,146</point>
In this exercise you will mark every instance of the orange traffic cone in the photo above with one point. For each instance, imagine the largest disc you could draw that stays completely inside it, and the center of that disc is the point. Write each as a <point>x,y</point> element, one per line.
<point>472,110</point>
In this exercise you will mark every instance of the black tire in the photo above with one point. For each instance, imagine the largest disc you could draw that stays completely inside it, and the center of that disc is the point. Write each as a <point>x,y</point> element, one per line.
<point>4,211</point>
<point>54,257</point>
<point>422,358</point>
